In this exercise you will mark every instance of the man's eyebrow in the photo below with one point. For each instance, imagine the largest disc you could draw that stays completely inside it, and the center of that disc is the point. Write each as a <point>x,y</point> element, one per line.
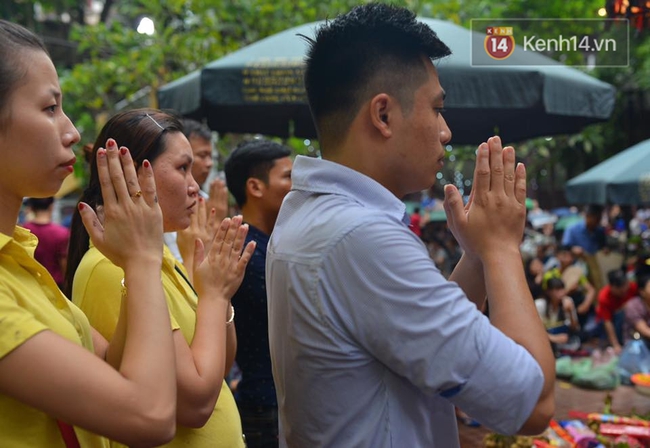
<point>441,96</point>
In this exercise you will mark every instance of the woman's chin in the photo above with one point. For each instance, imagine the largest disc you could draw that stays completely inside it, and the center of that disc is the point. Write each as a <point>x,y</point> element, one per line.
<point>176,226</point>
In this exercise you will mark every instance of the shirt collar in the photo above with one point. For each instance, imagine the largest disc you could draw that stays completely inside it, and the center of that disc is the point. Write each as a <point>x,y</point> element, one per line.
<point>169,260</point>
<point>324,176</point>
<point>23,237</point>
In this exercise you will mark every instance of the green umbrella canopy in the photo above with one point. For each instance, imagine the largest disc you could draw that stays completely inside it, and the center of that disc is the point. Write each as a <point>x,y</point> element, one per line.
<point>437,216</point>
<point>259,89</point>
<point>622,179</point>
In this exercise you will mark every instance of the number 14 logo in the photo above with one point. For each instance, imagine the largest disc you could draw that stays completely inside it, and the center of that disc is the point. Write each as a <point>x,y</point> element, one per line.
<point>499,47</point>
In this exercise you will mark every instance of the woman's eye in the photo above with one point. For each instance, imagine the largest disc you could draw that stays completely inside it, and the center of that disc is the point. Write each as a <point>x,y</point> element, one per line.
<point>439,110</point>
<point>51,108</point>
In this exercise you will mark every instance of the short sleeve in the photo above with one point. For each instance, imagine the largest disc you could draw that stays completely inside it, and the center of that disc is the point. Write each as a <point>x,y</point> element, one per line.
<point>17,324</point>
<point>97,290</point>
<point>603,311</point>
<point>634,311</point>
<point>567,237</point>
<point>583,281</point>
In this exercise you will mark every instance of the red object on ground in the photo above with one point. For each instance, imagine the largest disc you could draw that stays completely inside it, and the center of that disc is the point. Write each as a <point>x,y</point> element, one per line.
<point>609,429</point>
<point>609,418</point>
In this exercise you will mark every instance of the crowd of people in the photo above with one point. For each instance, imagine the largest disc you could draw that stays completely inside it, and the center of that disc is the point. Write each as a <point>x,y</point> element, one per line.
<point>354,326</point>
<point>580,300</point>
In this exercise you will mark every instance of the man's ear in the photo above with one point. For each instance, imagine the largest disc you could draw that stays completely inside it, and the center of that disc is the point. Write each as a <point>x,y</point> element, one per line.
<point>254,187</point>
<point>382,110</point>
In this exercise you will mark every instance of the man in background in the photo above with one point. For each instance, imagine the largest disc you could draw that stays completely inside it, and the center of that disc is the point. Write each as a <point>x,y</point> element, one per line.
<point>258,174</point>
<point>586,238</point>
<point>52,249</point>
<point>611,300</point>
<point>416,222</point>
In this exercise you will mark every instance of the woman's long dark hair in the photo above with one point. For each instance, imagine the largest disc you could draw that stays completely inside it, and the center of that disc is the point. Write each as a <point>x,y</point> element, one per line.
<point>144,132</point>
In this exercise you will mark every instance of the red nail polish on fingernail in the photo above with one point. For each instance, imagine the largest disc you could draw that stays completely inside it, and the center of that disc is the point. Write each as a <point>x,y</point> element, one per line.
<point>110,143</point>
<point>123,150</point>
<point>146,164</point>
<point>81,206</point>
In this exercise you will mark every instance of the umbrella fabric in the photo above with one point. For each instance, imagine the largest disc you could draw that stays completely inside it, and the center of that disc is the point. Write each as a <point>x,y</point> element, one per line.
<point>437,216</point>
<point>622,179</point>
<point>566,221</point>
<point>538,220</point>
<point>259,89</point>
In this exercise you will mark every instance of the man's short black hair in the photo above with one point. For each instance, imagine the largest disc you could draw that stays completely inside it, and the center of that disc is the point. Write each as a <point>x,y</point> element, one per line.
<point>554,283</point>
<point>594,210</point>
<point>617,278</point>
<point>642,281</point>
<point>193,127</point>
<point>253,158</point>
<point>374,48</point>
<point>39,204</point>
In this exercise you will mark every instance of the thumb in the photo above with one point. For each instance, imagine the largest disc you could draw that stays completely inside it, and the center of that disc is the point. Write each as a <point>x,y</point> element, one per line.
<point>453,204</point>
<point>92,223</point>
<point>199,252</point>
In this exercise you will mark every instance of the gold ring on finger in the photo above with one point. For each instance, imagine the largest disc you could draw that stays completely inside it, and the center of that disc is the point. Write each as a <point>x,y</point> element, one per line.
<point>137,194</point>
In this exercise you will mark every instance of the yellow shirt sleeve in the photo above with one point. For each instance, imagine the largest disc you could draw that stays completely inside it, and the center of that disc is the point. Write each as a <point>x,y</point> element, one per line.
<point>16,323</point>
<point>97,290</point>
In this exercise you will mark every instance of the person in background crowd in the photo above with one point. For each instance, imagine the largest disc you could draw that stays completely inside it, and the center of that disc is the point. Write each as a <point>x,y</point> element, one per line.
<point>611,300</point>
<point>258,174</point>
<point>578,287</point>
<point>586,236</point>
<point>416,222</point>
<point>52,249</point>
<point>534,269</point>
<point>61,383</point>
<point>637,312</point>
<point>371,346</point>
<point>558,312</point>
<point>200,138</point>
<point>200,311</point>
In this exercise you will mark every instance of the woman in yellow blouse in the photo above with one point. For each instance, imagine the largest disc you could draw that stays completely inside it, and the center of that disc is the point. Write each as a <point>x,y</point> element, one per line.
<point>200,310</point>
<point>57,374</point>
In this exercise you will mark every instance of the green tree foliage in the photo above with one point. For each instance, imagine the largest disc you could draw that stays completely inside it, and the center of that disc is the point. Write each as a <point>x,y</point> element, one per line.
<point>117,62</point>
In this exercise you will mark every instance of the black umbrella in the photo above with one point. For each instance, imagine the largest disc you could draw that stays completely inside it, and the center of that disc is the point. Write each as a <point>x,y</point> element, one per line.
<point>259,89</point>
<point>622,179</point>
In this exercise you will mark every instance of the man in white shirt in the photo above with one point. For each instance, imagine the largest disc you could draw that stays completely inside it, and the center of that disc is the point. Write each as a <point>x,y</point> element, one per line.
<point>371,346</point>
